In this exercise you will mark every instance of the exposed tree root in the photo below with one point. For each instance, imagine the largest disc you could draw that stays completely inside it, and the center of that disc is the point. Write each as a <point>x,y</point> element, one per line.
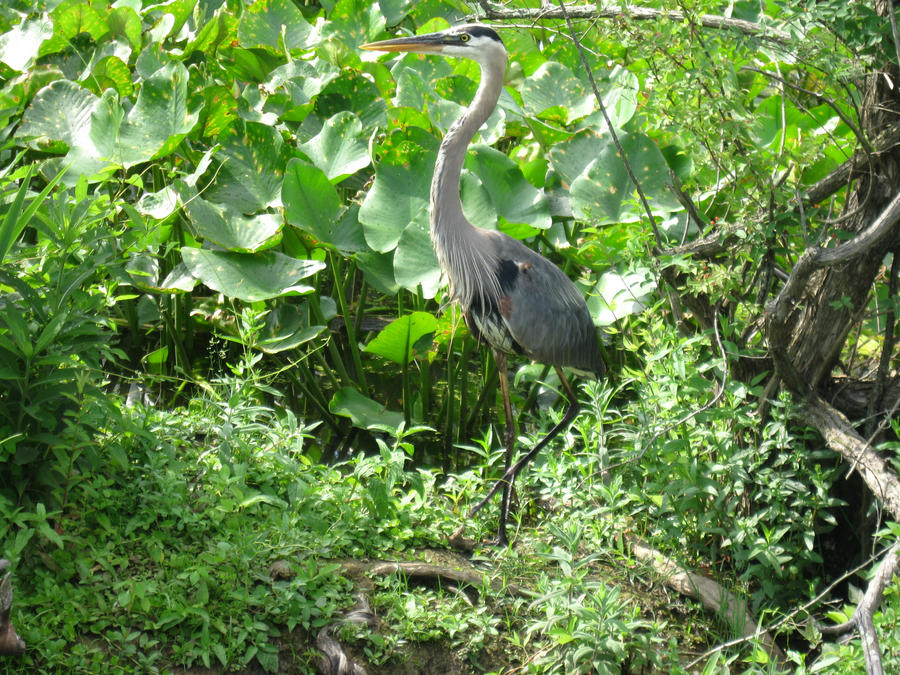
<point>333,660</point>
<point>428,572</point>
<point>713,597</point>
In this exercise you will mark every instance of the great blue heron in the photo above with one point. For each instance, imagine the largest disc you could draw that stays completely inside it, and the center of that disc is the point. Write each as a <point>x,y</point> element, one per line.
<point>512,298</point>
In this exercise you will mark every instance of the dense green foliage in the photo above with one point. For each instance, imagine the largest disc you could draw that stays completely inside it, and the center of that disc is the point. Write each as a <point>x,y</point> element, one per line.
<point>223,341</point>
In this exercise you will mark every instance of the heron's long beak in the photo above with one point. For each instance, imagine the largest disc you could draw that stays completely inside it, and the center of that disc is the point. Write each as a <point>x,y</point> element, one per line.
<point>430,43</point>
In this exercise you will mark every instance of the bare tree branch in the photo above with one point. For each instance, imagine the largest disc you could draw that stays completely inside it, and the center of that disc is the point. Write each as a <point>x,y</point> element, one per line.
<point>841,437</point>
<point>547,11</point>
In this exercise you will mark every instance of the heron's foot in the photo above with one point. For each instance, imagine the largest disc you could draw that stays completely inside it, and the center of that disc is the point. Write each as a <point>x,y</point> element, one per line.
<point>461,543</point>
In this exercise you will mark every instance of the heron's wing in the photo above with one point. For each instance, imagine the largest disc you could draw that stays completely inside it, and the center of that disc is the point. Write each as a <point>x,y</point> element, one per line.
<point>545,313</point>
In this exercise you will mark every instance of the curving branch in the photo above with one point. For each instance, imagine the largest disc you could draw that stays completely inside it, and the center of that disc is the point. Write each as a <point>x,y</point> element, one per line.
<point>547,11</point>
<point>862,619</point>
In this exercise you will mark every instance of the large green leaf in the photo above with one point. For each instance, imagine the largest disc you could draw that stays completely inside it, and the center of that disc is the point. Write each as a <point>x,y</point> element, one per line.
<point>399,340</point>
<point>337,148</point>
<point>516,201</point>
<point>273,25</point>
<point>160,118</point>
<point>571,157</point>
<point>311,202</point>
<point>362,411</point>
<point>415,261</point>
<point>59,116</point>
<point>19,47</point>
<point>287,327</point>
<point>249,277</point>
<point>553,86</point>
<point>617,295</point>
<point>252,170</point>
<point>94,129</point>
<point>604,193</point>
<point>221,225</point>
<point>398,197</point>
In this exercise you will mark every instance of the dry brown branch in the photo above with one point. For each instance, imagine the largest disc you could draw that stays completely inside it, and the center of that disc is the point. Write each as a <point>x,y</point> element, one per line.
<point>841,437</point>
<point>862,619</point>
<point>548,11</point>
<point>714,598</point>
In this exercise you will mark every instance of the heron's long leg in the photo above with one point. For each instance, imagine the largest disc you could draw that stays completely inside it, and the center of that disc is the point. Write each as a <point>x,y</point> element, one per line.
<point>510,476</point>
<point>510,442</point>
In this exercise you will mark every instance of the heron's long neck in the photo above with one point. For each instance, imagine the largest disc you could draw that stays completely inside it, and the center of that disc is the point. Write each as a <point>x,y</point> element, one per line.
<point>453,236</point>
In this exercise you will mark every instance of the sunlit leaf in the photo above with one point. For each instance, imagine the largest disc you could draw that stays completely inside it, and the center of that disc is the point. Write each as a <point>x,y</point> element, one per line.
<point>250,277</point>
<point>396,341</point>
<point>337,149</point>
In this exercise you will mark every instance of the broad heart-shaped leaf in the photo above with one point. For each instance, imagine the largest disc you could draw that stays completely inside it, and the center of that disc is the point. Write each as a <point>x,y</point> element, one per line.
<point>336,149</point>
<point>221,225</point>
<point>516,200</point>
<point>354,22</point>
<point>415,261</point>
<point>263,23</point>
<point>394,11</point>
<point>604,193</point>
<point>249,277</point>
<point>287,327</point>
<point>619,91</point>
<point>362,411</point>
<point>159,119</point>
<point>252,170</point>
<point>396,341</point>
<point>19,46</point>
<point>571,157</point>
<point>398,197</point>
<point>616,295</point>
<point>311,202</point>
<point>63,114</point>
<point>554,85</point>
<point>59,112</point>
<point>379,271</point>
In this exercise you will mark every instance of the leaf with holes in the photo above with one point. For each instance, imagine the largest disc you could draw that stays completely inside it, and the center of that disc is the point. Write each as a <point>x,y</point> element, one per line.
<point>250,277</point>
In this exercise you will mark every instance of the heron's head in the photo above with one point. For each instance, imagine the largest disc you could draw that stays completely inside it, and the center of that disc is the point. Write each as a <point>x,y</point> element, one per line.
<point>472,41</point>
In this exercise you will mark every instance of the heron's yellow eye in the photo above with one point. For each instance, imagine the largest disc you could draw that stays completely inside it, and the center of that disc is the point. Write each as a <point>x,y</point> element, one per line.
<point>464,37</point>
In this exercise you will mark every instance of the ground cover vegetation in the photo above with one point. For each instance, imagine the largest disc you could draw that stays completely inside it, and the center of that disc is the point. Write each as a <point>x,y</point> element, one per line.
<point>231,387</point>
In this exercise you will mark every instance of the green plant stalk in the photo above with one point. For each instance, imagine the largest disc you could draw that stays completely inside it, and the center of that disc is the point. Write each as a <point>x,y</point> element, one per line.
<point>349,326</point>
<point>335,353</point>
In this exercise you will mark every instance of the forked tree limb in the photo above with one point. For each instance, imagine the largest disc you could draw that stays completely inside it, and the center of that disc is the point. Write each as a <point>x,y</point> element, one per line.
<point>862,619</point>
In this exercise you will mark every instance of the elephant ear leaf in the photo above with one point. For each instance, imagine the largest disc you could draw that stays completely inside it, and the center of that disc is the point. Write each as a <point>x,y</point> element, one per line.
<point>248,277</point>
